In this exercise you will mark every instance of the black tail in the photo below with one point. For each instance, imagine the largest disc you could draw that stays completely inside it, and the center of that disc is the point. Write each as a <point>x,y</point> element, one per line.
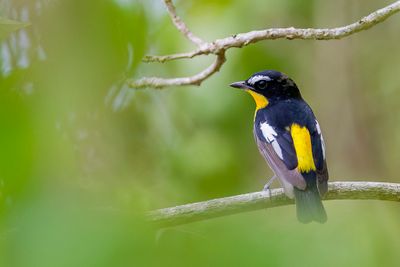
<point>309,205</point>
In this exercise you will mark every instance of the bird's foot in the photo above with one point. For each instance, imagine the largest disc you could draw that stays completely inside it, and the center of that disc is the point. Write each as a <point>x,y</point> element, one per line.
<point>268,185</point>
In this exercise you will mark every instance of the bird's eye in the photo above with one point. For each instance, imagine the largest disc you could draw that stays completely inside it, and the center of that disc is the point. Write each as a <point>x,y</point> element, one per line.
<point>261,84</point>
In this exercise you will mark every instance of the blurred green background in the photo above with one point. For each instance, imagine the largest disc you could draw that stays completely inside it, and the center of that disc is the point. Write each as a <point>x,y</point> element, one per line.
<point>82,156</point>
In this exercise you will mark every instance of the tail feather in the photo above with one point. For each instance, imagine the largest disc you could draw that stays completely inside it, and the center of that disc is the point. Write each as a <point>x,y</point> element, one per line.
<point>309,205</point>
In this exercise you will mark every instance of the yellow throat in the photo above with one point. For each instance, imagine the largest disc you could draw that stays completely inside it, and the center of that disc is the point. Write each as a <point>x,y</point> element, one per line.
<point>261,101</point>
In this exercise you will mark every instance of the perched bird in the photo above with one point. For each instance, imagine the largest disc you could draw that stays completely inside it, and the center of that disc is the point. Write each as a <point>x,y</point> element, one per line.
<point>289,138</point>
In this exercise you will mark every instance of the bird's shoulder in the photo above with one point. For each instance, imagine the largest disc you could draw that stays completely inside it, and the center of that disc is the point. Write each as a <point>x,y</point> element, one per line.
<point>285,113</point>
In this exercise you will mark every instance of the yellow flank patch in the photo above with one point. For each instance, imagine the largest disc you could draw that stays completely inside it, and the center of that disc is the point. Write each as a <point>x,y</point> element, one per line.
<point>302,145</point>
<point>261,101</point>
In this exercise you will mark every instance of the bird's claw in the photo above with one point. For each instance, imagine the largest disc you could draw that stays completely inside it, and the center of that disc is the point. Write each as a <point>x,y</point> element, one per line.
<point>268,185</point>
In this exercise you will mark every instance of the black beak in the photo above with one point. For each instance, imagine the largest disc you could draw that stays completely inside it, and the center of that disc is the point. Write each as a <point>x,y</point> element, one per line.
<point>241,85</point>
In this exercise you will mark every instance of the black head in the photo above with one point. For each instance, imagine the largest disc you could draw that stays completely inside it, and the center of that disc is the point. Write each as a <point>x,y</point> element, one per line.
<point>272,84</point>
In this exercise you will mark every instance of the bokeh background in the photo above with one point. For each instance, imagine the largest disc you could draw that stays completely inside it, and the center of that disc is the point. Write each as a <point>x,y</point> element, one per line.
<point>83,156</point>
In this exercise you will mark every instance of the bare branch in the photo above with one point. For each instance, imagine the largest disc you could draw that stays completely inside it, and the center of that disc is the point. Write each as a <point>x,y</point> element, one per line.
<point>180,25</point>
<point>263,200</point>
<point>162,59</point>
<point>244,39</point>
<point>192,80</point>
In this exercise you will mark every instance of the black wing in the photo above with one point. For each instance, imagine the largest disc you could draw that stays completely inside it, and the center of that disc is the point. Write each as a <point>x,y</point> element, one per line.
<point>281,141</point>
<point>318,147</point>
<point>277,148</point>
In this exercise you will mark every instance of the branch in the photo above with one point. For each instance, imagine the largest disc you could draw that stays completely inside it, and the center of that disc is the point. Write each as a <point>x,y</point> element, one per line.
<point>262,200</point>
<point>244,39</point>
<point>180,25</point>
<point>163,59</point>
<point>193,80</point>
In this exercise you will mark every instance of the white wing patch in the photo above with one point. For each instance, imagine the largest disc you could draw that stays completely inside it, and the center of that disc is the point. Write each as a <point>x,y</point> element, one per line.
<point>322,138</point>
<point>257,78</point>
<point>269,135</point>
<point>268,132</point>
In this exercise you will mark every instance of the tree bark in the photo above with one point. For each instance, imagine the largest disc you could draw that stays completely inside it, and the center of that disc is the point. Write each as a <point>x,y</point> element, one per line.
<point>268,199</point>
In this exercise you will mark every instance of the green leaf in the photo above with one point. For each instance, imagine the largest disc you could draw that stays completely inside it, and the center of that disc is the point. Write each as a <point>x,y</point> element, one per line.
<point>8,25</point>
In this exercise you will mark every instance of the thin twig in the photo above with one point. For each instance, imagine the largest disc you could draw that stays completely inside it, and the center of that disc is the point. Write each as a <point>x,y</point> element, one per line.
<point>162,59</point>
<point>180,25</point>
<point>197,79</point>
<point>244,39</point>
<point>261,200</point>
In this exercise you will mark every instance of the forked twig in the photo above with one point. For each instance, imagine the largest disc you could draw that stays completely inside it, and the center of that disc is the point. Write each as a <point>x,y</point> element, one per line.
<point>219,46</point>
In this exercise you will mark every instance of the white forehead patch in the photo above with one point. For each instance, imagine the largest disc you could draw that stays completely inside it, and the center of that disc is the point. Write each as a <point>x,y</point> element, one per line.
<point>257,78</point>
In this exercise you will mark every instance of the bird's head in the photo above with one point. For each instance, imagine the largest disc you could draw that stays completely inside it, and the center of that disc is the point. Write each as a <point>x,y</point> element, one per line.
<point>268,86</point>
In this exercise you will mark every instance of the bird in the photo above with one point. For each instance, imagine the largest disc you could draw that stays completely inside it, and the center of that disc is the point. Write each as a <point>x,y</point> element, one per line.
<point>289,138</point>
